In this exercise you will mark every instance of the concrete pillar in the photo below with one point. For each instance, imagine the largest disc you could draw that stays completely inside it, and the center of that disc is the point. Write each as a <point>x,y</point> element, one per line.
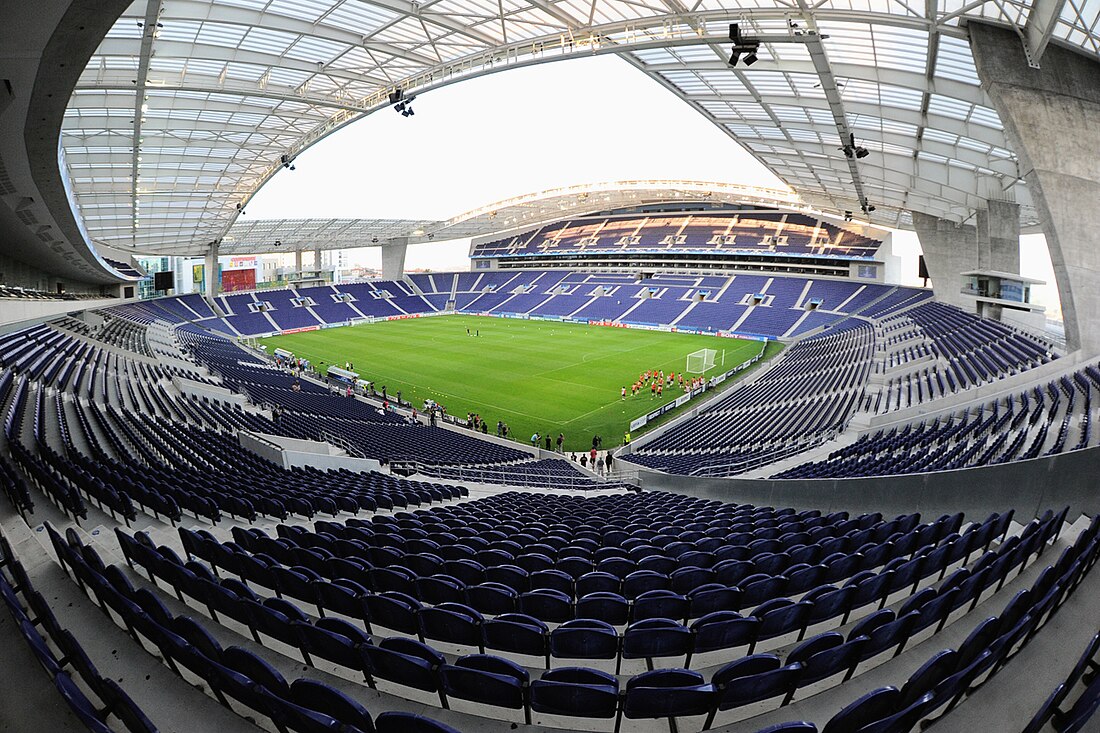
<point>1050,117</point>
<point>210,272</point>
<point>949,249</point>
<point>297,261</point>
<point>999,237</point>
<point>317,259</point>
<point>393,258</point>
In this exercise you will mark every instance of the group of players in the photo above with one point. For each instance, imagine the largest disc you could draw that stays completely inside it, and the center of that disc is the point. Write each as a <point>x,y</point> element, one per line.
<point>658,381</point>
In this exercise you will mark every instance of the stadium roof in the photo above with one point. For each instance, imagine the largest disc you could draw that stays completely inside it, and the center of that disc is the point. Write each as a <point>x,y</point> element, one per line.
<point>189,106</point>
<point>254,236</point>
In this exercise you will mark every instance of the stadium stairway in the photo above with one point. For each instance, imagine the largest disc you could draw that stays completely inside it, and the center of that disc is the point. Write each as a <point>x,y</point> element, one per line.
<point>29,701</point>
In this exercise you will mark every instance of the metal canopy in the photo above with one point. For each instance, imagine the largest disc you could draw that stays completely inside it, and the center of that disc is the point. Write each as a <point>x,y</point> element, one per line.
<point>520,213</point>
<point>189,106</point>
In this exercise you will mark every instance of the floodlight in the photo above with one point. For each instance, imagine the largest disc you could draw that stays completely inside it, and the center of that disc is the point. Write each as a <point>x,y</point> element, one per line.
<point>750,58</point>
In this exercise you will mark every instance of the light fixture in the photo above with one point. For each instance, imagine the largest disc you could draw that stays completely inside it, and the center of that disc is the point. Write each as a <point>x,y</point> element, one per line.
<point>287,162</point>
<point>847,216</point>
<point>742,45</point>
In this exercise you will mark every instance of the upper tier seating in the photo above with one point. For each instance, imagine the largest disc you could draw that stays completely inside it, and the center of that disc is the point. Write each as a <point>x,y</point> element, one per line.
<point>753,232</point>
<point>790,306</point>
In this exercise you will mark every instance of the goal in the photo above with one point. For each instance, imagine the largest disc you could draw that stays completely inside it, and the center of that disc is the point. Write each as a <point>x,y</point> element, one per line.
<point>701,361</point>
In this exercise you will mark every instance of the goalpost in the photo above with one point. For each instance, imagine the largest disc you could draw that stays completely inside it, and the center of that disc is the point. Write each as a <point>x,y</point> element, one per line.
<point>702,361</point>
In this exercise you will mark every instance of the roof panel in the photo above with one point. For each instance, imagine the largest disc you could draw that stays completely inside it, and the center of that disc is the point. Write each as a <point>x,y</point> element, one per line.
<point>273,76</point>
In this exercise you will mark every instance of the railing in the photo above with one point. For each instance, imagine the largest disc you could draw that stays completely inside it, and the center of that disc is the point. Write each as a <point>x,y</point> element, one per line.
<point>501,475</point>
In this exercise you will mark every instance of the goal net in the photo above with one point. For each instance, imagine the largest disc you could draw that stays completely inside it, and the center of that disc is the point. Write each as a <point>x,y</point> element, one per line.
<point>700,361</point>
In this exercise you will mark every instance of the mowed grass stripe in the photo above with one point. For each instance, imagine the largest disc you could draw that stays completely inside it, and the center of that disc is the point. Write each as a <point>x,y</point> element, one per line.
<point>544,376</point>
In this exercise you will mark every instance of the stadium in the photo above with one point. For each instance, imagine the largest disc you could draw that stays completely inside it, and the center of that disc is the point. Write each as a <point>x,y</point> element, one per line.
<point>655,453</point>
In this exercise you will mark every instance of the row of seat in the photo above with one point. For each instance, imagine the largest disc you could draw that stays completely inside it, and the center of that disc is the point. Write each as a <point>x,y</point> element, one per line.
<point>1086,705</point>
<point>584,638</point>
<point>673,693</point>
<point>97,699</point>
<point>305,706</point>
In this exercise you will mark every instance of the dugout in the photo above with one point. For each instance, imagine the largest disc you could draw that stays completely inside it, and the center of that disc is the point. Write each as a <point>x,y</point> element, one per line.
<point>342,376</point>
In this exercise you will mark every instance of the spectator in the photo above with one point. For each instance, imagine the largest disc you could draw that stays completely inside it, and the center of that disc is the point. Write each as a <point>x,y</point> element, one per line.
<point>584,460</point>
<point>609,461</point>
<point>549,442</point>
<point>599,465</point>
<point>561,439</point>
<point>592,456</point>
<point>535,439</point>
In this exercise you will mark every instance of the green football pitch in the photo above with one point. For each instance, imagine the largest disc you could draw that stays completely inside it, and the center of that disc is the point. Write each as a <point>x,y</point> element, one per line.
<point>545,376</point>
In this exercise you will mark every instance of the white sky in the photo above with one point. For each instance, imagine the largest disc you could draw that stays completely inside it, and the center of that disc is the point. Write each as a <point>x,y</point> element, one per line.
<point>521,131</point>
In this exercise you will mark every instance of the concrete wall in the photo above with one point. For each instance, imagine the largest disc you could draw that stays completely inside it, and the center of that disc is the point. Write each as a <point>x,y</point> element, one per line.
<point>1029,487</point>
<point>209,391</point>
<point>1050,117</point>
<point>949,249</point>
<point>393,259</point>
<point>16,310</point>
<point>292,453</point>
<point>999,236</point>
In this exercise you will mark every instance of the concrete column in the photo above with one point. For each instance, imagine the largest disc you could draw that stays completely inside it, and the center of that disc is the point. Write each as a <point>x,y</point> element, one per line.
<point>210,270</point>
<point>949,249</point>
<point>393,258</point>
<point>297,261</point>
<point>317,259</point>
<point>999,237</point>
<point>1050,117</point>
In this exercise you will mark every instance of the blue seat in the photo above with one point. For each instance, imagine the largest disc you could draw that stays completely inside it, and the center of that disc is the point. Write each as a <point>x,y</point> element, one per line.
<point>397,722</point>
<point>687,578</point>
<point>871,708</point>
<point>722,630</point>
<point>393,610</point>
<point>547,604</point>
<point>452,622</point>
<point>711,597</point>
<point>552,579</point>
<point>312,698</point>
<point>781,616</point>
<point>334,640</point>
<point>576,691</point>
<point>894,635</point>
<point>641,581</point>
<point>511,576</point>
<point>584,639</point>
<point>491,598</point>
<point>439,588</point>
<point>517,633</point>
<point>604,606</point>
<point>655,638</point>
<point>273,618</point>
<point>79,703</point>
<point>597,582</point>
<point>404,661</point>
<point>487,679</point>
<point>753,679</point>
<point>826,655</point>
<point>341,596</point>
<point>667,693</point>
<point>660,604</point>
